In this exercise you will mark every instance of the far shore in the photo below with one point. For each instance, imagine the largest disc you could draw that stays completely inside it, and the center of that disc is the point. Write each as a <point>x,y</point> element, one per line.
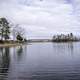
<point>15,43</point>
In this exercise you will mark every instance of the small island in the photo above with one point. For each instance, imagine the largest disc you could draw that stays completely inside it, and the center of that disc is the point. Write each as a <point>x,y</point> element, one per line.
<point>65,38</point>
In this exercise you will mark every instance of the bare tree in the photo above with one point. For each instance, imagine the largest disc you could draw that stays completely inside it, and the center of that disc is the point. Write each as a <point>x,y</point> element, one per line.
<point>18,30</point>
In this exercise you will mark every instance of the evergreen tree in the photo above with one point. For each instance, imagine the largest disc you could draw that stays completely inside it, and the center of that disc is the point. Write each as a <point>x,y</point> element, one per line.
<point>4,28</point>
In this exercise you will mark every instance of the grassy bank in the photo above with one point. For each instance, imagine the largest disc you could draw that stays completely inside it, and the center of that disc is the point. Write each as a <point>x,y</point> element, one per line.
<point>10,43</point>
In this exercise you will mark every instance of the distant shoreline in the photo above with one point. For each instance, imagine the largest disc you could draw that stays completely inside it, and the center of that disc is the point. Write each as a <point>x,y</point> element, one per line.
<point>50,40</point>
<point>32,41</point>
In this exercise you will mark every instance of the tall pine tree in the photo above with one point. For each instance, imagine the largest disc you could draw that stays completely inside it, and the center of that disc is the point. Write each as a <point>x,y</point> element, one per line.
<point>4,29</point>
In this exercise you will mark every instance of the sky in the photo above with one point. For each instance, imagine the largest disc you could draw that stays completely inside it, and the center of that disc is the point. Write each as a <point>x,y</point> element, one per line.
<point>43,18</point>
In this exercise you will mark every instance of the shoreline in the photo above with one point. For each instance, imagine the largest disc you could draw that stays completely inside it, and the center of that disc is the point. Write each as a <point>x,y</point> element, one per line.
<point>11,44</point>
<point>20,44</point>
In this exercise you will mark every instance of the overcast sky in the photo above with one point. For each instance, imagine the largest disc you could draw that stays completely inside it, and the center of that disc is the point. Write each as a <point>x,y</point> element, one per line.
<point>43,18</point>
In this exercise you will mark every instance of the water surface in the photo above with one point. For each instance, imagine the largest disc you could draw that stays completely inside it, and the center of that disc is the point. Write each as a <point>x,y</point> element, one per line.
<point>41,61</point>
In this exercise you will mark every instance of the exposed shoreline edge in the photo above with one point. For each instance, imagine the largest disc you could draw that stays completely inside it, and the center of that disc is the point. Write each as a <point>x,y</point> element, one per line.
<point>11,44</point>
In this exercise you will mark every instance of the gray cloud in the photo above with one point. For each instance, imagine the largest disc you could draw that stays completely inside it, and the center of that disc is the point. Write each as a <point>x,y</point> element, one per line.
<point>43,18</point>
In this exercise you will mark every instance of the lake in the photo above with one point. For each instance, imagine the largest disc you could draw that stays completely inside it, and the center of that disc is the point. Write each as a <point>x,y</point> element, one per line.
<point>41,61</point>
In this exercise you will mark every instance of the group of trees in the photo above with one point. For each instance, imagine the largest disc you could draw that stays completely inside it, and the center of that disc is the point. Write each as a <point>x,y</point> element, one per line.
<point>5,31</point>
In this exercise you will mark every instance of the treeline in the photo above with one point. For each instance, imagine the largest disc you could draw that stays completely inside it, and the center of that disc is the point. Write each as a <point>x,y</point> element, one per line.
<point>7,31</point>
<point>65,38</point>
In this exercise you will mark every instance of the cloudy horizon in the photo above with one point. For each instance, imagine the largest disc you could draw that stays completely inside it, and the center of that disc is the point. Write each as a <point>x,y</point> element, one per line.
<point>43,18</point>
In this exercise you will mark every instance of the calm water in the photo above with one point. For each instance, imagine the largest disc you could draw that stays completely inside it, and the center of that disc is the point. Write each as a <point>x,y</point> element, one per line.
<point>41,61</point>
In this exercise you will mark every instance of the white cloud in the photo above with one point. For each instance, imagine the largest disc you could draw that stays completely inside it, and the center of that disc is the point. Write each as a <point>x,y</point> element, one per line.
<point>42,18</point>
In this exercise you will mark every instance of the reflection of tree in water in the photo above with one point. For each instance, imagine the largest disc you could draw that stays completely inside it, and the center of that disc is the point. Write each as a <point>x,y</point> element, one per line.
<point>63,48</point>
<point>71,48</point>
<point>19,51</point>
<point>4,62</point>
